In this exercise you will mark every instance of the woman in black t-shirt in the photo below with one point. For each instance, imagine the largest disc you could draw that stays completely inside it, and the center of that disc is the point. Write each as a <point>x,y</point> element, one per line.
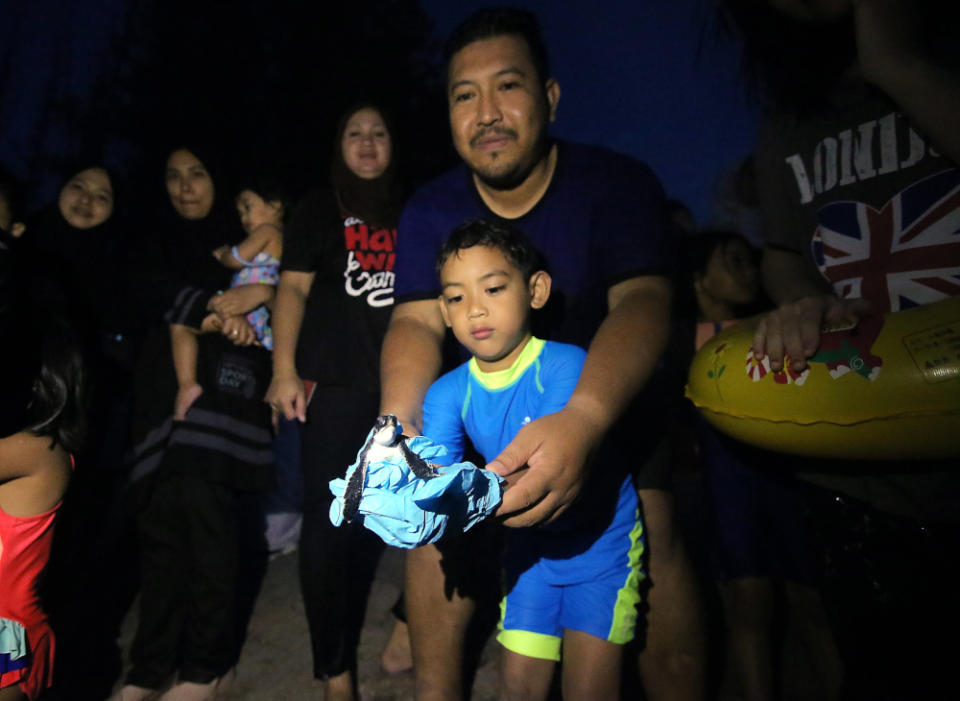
<point>333,304</point>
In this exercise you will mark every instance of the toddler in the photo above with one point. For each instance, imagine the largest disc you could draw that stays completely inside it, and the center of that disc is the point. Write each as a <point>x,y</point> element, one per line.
<point>257,261</point>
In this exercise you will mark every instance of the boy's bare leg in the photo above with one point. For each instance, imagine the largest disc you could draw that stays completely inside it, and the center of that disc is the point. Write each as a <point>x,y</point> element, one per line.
<point>438,626</point>
<point>672,663</point>
<point>591,667</point>
<point>524,678</point>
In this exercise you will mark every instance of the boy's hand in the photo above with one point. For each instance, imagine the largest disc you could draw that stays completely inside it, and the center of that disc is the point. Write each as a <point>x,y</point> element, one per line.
<point>186,396</point>
<point>286,395</point>
<point>556,448</point>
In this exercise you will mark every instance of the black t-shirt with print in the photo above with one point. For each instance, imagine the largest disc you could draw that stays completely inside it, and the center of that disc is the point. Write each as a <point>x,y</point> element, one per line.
<point>350,300</point>
<point>873,207</point>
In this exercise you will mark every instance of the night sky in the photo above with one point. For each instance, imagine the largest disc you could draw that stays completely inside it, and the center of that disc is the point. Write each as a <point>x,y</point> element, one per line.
<point>645,78</point>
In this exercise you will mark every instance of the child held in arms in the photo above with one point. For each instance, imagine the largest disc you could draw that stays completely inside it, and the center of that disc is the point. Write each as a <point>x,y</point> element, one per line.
<point>257,261</point>
<point>569,586</point>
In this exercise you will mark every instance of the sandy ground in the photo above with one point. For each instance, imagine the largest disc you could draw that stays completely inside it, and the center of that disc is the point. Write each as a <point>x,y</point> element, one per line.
<point>275,664</point>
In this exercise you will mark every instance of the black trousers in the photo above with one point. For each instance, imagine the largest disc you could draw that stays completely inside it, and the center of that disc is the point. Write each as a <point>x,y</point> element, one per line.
<point>337,565</point>
<point>189,558</point>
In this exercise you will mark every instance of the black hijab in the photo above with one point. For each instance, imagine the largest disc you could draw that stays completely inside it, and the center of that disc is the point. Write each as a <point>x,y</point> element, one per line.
<point>187,244</point>
<point>73,271</point>
<point>50,233</point>
<point>377,201</point>
<point>19,354</point>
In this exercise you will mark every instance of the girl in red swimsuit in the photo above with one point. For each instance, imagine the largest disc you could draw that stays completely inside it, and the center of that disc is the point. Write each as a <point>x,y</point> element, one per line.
<point>35,465</point>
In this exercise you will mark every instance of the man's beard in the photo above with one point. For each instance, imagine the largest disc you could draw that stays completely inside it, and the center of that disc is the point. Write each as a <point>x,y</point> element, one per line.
<point>517,175</point>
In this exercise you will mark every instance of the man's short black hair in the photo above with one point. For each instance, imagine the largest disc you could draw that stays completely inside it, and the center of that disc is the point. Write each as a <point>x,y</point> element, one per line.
<point>499,21</point>
<point>509,240</point>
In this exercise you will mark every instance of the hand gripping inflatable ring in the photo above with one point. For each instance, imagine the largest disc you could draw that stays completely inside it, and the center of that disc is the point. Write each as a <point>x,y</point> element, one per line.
<point>887,389</point>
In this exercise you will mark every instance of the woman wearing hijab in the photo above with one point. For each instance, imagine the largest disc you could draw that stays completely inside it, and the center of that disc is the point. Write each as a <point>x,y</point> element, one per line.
<point>192,472</point>
<point>333,304</point>
<point>75,252</point>
<point>75,259</point>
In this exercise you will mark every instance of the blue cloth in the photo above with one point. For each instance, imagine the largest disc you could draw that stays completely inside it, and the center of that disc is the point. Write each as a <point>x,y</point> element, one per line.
<point>601,221</point>
<point>406,511</point>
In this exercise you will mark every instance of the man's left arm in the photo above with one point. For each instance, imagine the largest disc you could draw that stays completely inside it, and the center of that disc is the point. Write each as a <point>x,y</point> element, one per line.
<point>622,356</point>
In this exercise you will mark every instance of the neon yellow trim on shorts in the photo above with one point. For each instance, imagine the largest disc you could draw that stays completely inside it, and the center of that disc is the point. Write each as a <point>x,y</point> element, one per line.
<point>624,625</point>
<point>525,642</point>
<point>537,645</point>
<point>498,379</point>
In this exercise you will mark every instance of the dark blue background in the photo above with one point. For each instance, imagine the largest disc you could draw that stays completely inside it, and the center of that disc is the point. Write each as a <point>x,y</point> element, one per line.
<point>649,78</point>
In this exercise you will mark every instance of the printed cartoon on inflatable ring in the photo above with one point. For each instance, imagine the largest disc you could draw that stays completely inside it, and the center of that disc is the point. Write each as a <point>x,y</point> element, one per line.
<point>887,389</point>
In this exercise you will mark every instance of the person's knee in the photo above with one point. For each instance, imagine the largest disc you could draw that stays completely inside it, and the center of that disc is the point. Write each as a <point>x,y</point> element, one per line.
<point>437,684</point>
<point>588,686</point>
<point>525,678</point>
<point>518,687</point>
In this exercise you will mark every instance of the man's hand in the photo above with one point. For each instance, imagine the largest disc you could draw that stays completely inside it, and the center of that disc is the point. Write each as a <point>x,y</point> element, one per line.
<point>794,328</point>
<point>240,300</point>
<point>238,331</point>
<point>556,448</point>
<point>286,396</point>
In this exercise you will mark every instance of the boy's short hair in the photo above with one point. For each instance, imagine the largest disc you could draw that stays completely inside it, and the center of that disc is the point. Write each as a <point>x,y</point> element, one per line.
<point>500,21</point>
<point>509,240</point>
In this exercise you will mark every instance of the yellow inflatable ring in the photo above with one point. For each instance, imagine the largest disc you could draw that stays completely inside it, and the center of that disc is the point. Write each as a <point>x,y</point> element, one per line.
<point>888,389</point>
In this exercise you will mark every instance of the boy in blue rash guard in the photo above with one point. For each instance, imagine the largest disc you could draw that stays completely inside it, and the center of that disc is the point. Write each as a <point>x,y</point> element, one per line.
<point>564,586</point>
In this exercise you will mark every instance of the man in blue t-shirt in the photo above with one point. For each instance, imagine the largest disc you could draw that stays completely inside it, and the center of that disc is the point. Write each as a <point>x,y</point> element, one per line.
<point>598,217</point>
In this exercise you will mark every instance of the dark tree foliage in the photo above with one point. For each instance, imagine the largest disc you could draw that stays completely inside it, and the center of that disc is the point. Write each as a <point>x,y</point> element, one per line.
<point>264,82</point>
